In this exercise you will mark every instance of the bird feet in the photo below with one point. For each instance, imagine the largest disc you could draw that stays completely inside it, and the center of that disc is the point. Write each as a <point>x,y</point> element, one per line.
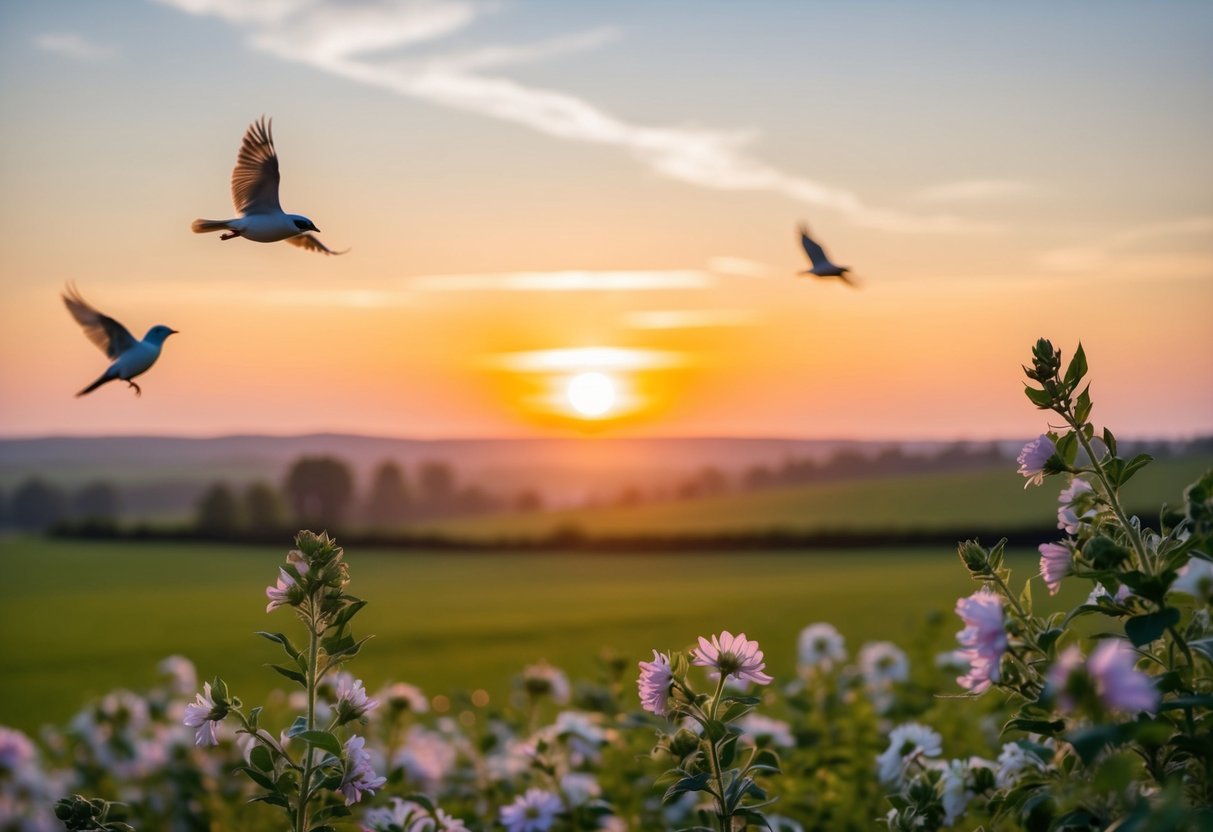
<point>229,235</point>
<point>138,392</point>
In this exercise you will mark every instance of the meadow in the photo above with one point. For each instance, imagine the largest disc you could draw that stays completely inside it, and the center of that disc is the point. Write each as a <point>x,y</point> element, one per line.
<point>82,618</point>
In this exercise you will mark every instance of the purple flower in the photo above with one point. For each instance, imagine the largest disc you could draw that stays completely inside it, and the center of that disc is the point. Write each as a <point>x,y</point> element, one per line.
<point>654,684</point>
<point>1118,682</point>
<point>287,592</point>
<point>1067,516</point>
<point>983,639</point>
<point>352,701</point>
<point>534,811</point>
<point>1060,678</point>
<point>1055,564</point>
<point>359,776</point>
<point>732,656</point>
<point>204,715</point>
<point>1033,457</point>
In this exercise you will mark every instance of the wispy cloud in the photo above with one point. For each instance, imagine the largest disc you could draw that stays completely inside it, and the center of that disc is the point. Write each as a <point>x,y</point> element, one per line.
<point>977,189</point>
<point>564,281</point>
<point>578,359</point>
<point>74,46</point>
<point>361,42</point>
<point>737,267</point>
<point>689,318</point>
<point>1101,252</point>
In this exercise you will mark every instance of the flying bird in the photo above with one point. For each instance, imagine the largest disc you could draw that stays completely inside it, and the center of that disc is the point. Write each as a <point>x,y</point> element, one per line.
<point>130,357</point>
<point>822,267</point>
<point>255,195</point>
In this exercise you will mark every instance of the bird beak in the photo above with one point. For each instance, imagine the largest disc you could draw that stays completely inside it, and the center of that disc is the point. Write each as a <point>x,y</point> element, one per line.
<point>174,332</point>
<point>317,230</point>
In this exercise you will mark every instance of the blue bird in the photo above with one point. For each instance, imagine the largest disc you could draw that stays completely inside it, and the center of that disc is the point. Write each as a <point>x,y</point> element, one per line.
<point>130,357</point>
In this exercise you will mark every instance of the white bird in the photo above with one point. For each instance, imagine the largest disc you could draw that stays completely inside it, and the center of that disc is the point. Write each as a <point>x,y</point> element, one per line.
<point>255,195</point>
<point>822,267</point>
<point>130,357</point>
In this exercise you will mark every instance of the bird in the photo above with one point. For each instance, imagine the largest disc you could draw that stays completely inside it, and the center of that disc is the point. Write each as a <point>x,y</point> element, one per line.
<point>255,195</point>
<point>130,357</point>
<point>822,267</point>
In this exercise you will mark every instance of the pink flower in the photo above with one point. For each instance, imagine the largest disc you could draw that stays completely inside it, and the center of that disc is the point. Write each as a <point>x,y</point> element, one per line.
<point>352,701</point>
<point>654,684</point>
<point>359,776</point>
<point>287,592</point>
<point>534,811</point>
<point>1060,674</point>
<point>1120,685</point>
<point>983,639</point>
<point>1033,457</point>
<point>204,715</point>
<point>733,656</point>
<point>1067,517</point>
<point>1055,564</point>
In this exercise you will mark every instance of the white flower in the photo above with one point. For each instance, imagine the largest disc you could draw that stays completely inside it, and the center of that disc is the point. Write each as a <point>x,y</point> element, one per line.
<point>1033,457</point>
<point>401,696</point>
<point>1069,500</point>
<point>203,715</point>
<point>579,788</point>
<point>426,757</point>
<point>883,661</point>
<point>1123,593</point>
<point>957,787</point>
<point>1012,762</point>
<point>534,811</point>
<point>543,679</point>
<point>1195,578</point>
<point>758,728</point>
<point>180,672</point>
<point>907,743</point>
<point>352,701</point>
<point>820,645</point>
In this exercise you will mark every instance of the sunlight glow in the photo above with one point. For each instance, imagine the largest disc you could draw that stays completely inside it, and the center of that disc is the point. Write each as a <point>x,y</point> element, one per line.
<point>591,394</point>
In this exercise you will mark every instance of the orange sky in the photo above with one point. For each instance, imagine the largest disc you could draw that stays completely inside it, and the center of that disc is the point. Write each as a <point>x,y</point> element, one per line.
<point>551,180</point>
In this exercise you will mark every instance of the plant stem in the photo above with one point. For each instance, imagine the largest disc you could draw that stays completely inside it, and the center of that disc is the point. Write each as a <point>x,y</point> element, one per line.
<point>305,785</point>
<point>723,815</point>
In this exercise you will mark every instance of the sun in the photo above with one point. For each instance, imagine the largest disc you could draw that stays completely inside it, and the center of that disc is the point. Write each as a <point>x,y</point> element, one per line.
<point>591,394</point>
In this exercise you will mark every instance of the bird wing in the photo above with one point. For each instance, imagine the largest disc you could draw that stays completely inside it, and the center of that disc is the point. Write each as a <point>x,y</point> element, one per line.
<point>311,243</point>
<point>110,336</point>
<point>817,254</point>
<point>255,177</point>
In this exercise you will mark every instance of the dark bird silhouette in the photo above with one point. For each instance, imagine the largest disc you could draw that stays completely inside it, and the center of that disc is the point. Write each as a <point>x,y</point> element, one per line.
<point>822,266</point>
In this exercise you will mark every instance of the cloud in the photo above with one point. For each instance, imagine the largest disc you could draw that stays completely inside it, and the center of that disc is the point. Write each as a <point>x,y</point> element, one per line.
<point>976,189</point>
<point>361,41</point>
<point>737,267</point>
<point>72,45</point>
<point>577,359</point>
<point>564,281</point>
<point>1100,252</point>
<point>689,318</point>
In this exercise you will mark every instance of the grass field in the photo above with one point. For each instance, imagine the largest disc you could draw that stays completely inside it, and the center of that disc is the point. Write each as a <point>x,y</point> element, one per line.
<point>967,499</point>
<point>82,618</point>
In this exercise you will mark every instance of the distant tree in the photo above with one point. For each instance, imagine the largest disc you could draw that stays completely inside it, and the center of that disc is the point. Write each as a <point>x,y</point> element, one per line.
<point>528,501</point>
<point>97,501</point>
<point>320,489</point>
<point>474,500</point>
<point>436,482</point>
<point>629,497</point>
<point>218,511</point>
<point>3,509</point>
<point>388,502</point>
<point>263,508</point>
<point>37,505</point>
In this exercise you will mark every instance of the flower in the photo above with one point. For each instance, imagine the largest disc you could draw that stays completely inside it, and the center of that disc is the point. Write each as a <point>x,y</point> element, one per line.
<point>542,678</point>
<point>180,673</point>
<point>1013,760</point>
<point>352,701</point>
<point>287,592</point>
<point>1123,593</point>
<point>401,696</point>
<point>1118,682</point>
<point>958,786</point>
<point>359,776</point>
<point>205,715</point>
<point>534,811</point>
<point>409,817</point>
<point>732,656</point>
<point>1067,518</point>
<point>820,645</point>
<point>1055,564</point>
<point>579,788</point>
<point>426,757</point>
<point>654,684</point>
<point>1062,680</point>
<point>1195,578</point>
<point>907,743</point>
<point>1033,457</point>
<point>764,731</point>
<point>883,662</point>
<point>983,639</point>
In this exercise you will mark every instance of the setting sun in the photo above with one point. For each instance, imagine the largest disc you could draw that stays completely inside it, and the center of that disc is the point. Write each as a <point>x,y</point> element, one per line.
<point>591,394</point>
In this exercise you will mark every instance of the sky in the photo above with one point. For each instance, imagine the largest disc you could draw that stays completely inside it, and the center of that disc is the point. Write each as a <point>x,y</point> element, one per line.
<point>534,191</point>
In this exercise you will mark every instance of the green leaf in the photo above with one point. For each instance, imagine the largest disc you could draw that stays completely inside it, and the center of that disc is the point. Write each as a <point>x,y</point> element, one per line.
<point>297,727</point>
<point>1082,409</point>
<point>695,783</point>
<point>1204,646</point>
<point>293,675</point>
<point>1194,701</point>
<point>322,740</point>
<point>1110,441</point>
<point>728,750</point>
<point>261,758</point>
<point>1134,465</point>
<point>1040,398</point>
<point>1088,742</point>
<point>280,638</point>
<point>1143,629</point>
<point>1077,368</point>
<point>273,798</point>
<point>257,777</point>
<point>736,711</point>
<point>1034,726</point>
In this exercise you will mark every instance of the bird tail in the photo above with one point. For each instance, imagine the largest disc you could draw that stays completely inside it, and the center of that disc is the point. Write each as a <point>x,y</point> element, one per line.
<point>106,376</point>
<point>206,226</point>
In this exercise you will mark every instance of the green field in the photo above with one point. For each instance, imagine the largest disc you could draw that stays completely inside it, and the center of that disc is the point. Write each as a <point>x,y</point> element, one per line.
<point>993,499</point>
<point>81,618</point>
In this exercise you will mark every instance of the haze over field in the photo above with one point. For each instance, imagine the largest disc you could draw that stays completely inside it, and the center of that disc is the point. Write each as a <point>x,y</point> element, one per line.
<point>537,192</point>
